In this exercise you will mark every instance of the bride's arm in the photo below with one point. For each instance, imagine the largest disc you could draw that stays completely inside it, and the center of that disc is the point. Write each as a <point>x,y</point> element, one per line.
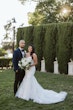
<point>35,59</point>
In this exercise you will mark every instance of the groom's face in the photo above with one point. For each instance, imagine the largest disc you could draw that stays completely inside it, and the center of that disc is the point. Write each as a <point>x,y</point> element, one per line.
<point>22,44</point>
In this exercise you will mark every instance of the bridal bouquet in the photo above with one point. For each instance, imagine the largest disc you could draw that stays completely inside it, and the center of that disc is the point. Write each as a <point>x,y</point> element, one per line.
<point>25,63</point>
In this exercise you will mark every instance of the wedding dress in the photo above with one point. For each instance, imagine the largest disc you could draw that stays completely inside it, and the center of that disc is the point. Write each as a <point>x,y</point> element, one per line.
<point>31,89</point>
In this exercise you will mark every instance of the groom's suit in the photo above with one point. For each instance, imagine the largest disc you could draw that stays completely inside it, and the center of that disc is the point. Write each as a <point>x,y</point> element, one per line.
<point>19,74</point>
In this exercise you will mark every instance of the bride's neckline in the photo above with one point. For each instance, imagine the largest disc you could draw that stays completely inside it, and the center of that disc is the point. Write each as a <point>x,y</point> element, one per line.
<point>29,57</point>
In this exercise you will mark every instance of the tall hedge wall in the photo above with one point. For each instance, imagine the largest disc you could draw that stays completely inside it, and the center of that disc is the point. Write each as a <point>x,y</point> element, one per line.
<point>72,41</point>
<point>26,34</point>
<point>50,41</point>
<point>20,34</point>
<point>50,47</point>
<point>37,42</point>
<point>64,46</point>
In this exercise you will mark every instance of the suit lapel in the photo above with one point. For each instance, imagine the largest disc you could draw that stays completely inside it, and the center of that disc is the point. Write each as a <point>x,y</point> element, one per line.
<point>20,52</point>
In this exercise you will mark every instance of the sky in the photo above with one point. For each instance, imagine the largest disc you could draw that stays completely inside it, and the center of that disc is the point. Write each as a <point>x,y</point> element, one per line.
<point>14,9</point>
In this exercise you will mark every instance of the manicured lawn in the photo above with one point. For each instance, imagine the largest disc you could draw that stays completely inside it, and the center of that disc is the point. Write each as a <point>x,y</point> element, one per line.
<point>47,80</point>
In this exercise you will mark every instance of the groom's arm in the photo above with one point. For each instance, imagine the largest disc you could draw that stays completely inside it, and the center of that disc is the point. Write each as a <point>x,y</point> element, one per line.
<point>15,60</point>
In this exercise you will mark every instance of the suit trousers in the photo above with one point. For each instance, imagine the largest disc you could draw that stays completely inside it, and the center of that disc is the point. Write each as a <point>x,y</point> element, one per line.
<point>18,79</point>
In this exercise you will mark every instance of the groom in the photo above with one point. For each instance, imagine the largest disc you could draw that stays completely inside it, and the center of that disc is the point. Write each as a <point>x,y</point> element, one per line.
<point>17,55</point>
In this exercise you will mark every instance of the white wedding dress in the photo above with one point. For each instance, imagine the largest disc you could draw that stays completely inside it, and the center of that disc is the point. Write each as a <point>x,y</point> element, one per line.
<point>31,89</point>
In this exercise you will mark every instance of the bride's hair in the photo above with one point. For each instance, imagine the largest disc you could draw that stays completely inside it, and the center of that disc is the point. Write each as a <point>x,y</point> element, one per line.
<point>33,50</point>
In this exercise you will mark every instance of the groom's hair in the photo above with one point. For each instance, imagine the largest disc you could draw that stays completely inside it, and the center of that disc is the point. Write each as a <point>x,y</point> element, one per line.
<point>21,41</point>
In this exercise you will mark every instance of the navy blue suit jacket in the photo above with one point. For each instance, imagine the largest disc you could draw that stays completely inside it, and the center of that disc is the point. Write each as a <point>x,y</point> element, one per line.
<point>17,55</point>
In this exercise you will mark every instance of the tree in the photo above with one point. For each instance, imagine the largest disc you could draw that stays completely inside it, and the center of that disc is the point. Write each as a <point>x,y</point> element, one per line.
<point>8,28</point>
<point>52,11</point>
<point>2,52</point>
<point>6,45</point>
<point>23,1</point>
<point>48,11</point>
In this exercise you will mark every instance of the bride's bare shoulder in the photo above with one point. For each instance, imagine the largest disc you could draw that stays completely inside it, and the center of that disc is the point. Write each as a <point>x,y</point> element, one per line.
<point>34,55</point>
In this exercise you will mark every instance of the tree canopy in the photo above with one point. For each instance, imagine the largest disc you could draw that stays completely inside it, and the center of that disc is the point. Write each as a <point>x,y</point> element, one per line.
<point>23,1</point>
<point>48,11</point>
<point>52,11</point>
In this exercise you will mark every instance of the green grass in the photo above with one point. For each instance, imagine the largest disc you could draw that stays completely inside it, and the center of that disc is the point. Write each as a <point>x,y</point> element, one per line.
<point>55,82</point>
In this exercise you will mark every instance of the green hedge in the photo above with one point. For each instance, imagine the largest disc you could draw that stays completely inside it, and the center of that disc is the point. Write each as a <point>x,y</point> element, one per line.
<point>50,41</point>
<point>64,46</point>
<point>38,43</point>
<point>28,37</point>
<point>50,47</point>
<point>26,34</point>
<point>4,62</point>
<point>72,41</point>
<point>20,35</point>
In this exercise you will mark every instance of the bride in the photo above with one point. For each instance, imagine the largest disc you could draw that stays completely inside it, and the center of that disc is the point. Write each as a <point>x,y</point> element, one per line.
<point>31,89</point>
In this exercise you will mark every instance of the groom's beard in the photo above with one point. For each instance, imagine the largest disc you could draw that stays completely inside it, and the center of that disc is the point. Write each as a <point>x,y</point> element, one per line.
<point>21,48</point>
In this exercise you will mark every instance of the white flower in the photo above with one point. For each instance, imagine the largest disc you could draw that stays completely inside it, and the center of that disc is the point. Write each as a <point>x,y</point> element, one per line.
<point>25,63</point>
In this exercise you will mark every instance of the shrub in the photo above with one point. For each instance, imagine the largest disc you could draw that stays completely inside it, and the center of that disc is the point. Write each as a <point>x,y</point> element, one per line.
<point>28,37</point>
<point>2,52</point>
<point>5,62</point>
<point>20,35</point>
<point>38,43</point>
<point>72,41</point>
<point>50,47</point>
<point>50,41</point>
<point>64,46</point>
<point>25,34</point>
